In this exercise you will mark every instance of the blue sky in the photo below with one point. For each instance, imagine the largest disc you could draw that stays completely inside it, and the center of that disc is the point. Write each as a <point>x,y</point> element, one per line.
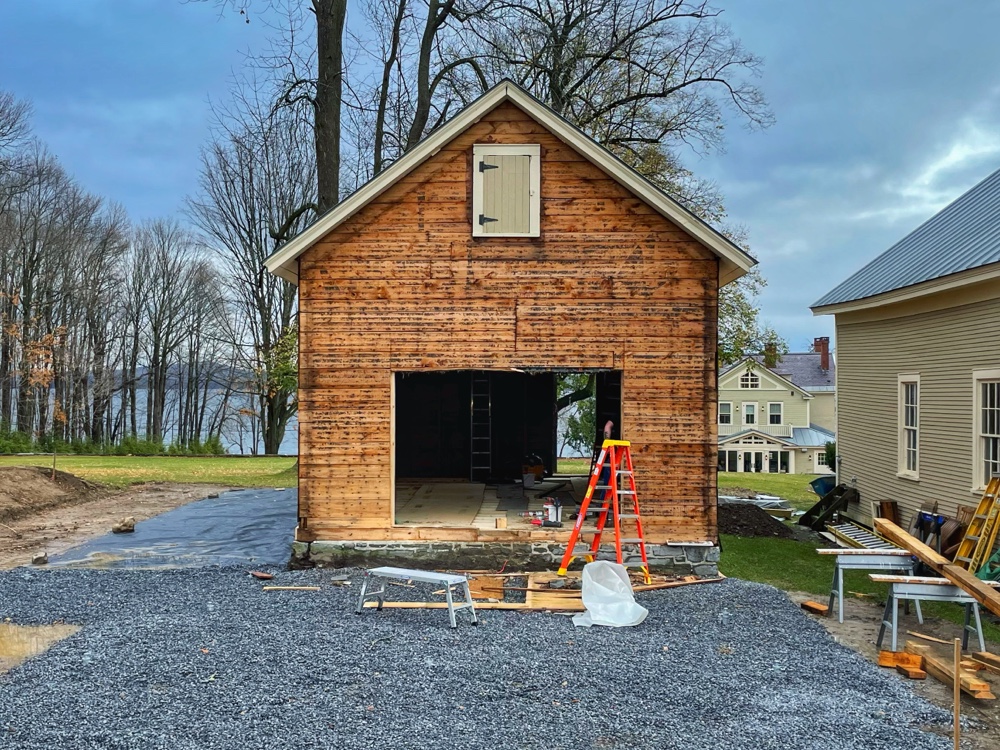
<point>885,111</point>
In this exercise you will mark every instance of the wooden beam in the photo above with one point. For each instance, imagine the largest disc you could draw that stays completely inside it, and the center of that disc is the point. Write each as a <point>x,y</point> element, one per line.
<point>981,591</point>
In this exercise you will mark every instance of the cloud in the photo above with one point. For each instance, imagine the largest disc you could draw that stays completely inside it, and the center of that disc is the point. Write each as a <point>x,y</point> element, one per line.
<point>973,153</point>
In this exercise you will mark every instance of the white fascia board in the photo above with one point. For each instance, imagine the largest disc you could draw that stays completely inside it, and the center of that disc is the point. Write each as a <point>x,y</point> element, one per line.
<point>734,263</point>
<point>914,291</point>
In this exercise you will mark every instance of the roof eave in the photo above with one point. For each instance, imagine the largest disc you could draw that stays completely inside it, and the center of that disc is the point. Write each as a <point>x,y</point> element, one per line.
<point>913,291</point>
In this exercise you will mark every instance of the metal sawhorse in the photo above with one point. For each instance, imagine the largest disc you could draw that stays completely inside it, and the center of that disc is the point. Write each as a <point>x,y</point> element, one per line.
<point>866,559</point>
<point>917,589</point>
<point>448,580</point>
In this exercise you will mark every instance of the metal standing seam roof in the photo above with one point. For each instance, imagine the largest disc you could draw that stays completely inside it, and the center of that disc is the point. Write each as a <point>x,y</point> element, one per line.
<point>962,236</point>
<point>813,435</point>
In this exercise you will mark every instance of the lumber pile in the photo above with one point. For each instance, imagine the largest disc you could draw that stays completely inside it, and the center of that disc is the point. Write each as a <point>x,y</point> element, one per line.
<point>943,668</point>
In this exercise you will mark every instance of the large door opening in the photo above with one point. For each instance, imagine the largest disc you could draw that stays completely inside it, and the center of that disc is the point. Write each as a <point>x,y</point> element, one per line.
<point>463,440</point>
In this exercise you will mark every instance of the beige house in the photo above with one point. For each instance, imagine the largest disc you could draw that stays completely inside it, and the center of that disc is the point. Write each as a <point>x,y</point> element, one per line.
<point>918,362</point>
<point>778,419</point>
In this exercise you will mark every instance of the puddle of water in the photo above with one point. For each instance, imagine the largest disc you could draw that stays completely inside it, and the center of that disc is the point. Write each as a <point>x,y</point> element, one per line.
<point>20,642</point>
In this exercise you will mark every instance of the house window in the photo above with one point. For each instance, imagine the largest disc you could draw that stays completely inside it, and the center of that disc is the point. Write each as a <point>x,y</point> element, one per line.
<point>821,458</point>
<point>506,182</point>
<point>725,412</point>
<point>749,379</point>
<point>987,414</point>
<point>774,413</point>
<point>749,413</point>
<point>909,425</point>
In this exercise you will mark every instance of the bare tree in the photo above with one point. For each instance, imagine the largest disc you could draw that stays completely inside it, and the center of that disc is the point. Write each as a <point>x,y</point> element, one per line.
<point>255,174</point>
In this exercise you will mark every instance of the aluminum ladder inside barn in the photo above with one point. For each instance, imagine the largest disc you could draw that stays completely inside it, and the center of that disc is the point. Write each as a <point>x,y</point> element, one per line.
<point>614,476</point>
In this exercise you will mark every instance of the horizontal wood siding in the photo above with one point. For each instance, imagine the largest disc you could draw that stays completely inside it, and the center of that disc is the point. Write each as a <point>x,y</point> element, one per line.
<point>944,347</point>
<point>403,286</point>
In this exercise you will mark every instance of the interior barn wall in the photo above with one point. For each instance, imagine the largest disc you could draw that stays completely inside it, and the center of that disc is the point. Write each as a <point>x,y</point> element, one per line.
<point>433,423</point>
<point>403,286</point>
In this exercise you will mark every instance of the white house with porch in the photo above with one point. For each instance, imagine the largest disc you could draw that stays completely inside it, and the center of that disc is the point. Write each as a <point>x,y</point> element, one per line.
<point>778,419</point>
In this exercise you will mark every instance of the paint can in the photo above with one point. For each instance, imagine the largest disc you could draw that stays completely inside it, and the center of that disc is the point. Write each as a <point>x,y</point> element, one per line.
<point>553,510</point>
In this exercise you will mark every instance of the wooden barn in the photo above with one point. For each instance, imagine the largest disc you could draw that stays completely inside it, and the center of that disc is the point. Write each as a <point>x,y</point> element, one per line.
<point>438,303</point>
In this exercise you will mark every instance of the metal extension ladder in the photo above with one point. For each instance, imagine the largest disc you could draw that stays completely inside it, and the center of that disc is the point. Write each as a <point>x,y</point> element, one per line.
<point>612,470</point>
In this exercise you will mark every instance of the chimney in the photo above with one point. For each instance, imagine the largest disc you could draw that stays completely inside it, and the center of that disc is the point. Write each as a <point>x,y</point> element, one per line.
<point>821,346</point>
<point>770,354</point>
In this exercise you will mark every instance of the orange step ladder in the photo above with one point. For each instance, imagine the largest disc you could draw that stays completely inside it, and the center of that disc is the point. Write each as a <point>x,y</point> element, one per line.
<point>618,495</point>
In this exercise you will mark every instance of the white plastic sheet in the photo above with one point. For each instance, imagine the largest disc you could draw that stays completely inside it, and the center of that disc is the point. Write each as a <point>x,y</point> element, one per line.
<point>608,598</point>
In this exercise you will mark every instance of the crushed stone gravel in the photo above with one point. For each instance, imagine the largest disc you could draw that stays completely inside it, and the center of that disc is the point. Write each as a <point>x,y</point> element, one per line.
<point>203,658</point>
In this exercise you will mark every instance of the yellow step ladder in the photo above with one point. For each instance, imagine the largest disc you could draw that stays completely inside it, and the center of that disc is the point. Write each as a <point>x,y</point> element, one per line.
<point>981,535</point>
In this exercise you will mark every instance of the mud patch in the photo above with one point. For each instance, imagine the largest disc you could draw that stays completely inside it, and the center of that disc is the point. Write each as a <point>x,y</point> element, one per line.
<point>26,490</point>
<point>21,642</point>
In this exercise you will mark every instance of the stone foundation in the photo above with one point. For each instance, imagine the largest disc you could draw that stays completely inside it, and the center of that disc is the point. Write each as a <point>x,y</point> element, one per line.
<point>673,559</point>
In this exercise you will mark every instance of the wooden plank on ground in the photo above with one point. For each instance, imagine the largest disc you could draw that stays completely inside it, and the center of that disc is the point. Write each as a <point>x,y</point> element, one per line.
<point>816,608</point>
<point>979,590</point>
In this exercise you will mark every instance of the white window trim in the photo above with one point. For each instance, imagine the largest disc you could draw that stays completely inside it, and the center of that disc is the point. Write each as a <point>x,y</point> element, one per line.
<point>901,470</point>
<point>721,403</point>
<point>756,412</point>
<point>533,150</point>
<point>781,411</point>
<point>751,377</point>
<point>977,449</point>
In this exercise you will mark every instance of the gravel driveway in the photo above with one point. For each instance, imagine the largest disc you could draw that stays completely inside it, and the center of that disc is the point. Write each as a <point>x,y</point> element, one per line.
<point>202,658</point>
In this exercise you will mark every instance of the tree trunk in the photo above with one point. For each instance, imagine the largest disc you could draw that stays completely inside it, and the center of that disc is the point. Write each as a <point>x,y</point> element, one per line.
<point>330,18</point>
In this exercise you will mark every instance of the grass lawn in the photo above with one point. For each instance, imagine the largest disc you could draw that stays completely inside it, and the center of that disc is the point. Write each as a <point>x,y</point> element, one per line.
<point>121,471</point>
<point>573,466</point>
<point>791,487</point>
<point>794,566</point>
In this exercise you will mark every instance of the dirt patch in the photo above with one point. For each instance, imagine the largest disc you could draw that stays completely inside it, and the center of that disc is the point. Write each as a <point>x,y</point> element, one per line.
<point>746,520</point>
<point>859,631</point>
<point>27,490</point>
<point>39,514</point>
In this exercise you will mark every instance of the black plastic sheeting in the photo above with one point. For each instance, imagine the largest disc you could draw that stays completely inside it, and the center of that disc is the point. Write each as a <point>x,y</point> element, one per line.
<point>245,526</point>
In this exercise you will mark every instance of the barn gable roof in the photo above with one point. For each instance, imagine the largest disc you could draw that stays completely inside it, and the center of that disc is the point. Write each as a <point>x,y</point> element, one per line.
<point>734,261</point>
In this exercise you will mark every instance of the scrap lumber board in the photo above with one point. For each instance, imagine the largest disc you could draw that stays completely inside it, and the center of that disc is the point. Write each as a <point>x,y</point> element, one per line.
<point>943,670</point>
<point>987,660</point>
<point>899,658</point>
<point>981,591</point>
<point>816,608</point>
<point>911,673</point>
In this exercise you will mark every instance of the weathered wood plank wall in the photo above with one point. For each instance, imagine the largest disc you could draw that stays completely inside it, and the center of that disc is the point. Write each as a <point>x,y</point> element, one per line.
<point>404,286</point>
